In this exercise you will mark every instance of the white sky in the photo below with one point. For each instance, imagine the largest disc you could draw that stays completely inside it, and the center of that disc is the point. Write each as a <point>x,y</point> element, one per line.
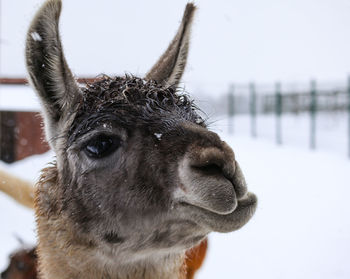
<point>233,41</point>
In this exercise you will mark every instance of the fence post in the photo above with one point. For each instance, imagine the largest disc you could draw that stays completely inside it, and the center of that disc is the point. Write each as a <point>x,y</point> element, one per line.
<point>252,110</point>
<point>231,109</point>
<point>313,108</point>
<point>349,116</point>
<point>278,110</point>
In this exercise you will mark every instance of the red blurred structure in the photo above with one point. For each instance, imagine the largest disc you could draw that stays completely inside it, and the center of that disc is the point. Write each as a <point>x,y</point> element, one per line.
<point>21,135</point>
<point>23,81</point>
<point>20,131</point>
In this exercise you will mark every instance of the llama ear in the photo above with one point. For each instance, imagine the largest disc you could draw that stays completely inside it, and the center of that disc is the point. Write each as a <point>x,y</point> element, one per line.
<point>170,66</point>
<point>47,67</point>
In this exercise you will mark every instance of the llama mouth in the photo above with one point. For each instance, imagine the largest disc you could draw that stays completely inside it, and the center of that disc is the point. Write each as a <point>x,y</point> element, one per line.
<point>211,209</point>
<point>232,221</point>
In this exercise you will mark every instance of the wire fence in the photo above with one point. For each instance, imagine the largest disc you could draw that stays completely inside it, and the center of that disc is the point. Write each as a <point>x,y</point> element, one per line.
<point>280,102</point>
<point>313,101</point>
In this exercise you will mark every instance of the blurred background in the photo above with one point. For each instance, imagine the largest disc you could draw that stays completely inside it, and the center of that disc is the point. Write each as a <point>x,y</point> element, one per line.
<point>273,78</point>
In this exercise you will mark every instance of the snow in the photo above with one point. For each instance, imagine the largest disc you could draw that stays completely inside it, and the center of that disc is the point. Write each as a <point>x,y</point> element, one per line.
<point>332,133</point>
<point>158,135</point>
<point>301,228</point>
<point>254,40</point>
<point>18,98</point>
<point>35,36</point>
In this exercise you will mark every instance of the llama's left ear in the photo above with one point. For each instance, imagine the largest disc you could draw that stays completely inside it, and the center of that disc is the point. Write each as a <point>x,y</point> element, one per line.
<point>48,69</point>
<point>171,65</point>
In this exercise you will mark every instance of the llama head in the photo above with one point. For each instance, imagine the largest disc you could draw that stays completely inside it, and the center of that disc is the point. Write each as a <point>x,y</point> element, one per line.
<point>138,171</point>
<point>22,265</point>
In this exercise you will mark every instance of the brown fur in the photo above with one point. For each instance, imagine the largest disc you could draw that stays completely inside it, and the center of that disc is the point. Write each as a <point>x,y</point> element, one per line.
<point>23,263</point>
<point>23,192</point>
<point>195,258</point>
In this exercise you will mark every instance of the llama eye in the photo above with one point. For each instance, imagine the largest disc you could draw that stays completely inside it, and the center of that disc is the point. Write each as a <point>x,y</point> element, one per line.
<point>101,146</point>
<point>20,265</point>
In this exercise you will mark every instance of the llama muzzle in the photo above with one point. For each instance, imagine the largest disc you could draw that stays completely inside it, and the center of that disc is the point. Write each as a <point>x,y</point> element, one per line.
<point>211,179</point>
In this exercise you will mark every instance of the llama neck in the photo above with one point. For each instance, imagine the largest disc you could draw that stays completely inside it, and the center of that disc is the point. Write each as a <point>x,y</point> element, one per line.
<point>64,258</point>
<point>65,255</point>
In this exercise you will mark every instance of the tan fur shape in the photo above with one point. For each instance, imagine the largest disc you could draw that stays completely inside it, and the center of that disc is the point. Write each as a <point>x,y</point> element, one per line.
<point>18,189</point>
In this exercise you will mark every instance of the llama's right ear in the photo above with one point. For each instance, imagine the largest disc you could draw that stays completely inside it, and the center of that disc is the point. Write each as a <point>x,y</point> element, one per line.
<point>170,67</point>
<point>47,67</point>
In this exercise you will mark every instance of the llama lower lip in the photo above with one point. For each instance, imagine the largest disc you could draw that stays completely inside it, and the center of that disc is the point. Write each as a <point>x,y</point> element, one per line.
<point>208,209</point>
<point>224,223</point>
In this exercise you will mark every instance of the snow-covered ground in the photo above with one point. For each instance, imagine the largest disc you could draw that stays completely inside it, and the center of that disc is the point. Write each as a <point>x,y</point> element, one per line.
<point>301,228</point>
<point>332,134</point>
<point>19,98</point>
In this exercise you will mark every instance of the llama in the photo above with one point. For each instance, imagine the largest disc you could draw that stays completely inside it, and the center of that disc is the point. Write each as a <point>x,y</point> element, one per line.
<point>138,178</point>
<point>22,265</point>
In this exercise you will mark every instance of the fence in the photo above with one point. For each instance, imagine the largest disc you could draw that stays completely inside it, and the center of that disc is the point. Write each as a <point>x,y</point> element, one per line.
<point>249,100</point>
<point>279,102</point>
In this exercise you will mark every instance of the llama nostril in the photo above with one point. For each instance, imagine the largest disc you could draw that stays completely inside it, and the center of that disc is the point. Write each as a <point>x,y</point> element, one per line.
<point>217,165</point>
<point>209,169</point>
<point>206,186</point>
